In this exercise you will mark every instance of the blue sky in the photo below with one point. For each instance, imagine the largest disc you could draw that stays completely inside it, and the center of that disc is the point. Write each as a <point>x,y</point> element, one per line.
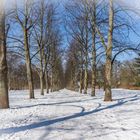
<point>133,4</point>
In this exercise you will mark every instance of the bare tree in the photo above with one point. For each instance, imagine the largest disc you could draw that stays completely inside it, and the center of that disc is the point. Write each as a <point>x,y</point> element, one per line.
<point>77,22</point>
<point>4,101</point>
<point>26,22</point>
<point>39,39</point>
<point>108,65</point>
<point>43,34</point>
<point>108,53</point>
<point>93,34</point>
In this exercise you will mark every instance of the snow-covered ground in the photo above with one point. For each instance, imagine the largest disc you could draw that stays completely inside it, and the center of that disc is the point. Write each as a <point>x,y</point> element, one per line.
<point>67,115</point>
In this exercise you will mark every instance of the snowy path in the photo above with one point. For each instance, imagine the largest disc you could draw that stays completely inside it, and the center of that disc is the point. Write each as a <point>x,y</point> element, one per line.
<point>67,115</point>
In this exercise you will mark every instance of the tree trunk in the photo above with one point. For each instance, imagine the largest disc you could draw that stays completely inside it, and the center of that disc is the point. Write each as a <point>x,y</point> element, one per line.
<point>52,81</point>
<point>41,71</point>
<point>93,53</point>
<point>28,65</point>
<point>108,73</point>
<point>85,81</point>
<point>86,57</point>
<point>47,81</point>
<point>81,80</point>
<point>4,101</point>
<point>108,65</point>
<point>41,82</point>
<point>93,72</point>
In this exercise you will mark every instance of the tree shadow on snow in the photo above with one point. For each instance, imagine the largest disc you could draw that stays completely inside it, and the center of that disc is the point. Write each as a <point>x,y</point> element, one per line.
<point>66,118</point>
<point>55,103</point>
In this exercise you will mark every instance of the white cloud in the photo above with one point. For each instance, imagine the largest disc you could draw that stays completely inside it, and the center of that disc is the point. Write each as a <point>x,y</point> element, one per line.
<point>135,4</point>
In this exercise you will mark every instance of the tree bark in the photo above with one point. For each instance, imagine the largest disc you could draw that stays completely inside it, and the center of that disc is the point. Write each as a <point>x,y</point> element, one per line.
<point>85,81</point>
<point>52,82</point>
<point>28,65</point>
<point>93,53</point>
<point>93,71</point>
<point>41,82</point>
<point>4,100</point>
<point>47,81</point>
<point>86,56</point>
<point>41,72</point>
<point>108,65</point>
<point>81,80</point>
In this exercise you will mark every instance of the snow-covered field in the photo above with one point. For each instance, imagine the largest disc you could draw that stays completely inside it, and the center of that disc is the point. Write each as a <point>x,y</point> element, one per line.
<point>67,115</point>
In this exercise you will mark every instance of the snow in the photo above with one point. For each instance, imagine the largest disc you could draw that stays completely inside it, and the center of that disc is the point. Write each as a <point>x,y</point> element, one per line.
<point>68,115</point>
